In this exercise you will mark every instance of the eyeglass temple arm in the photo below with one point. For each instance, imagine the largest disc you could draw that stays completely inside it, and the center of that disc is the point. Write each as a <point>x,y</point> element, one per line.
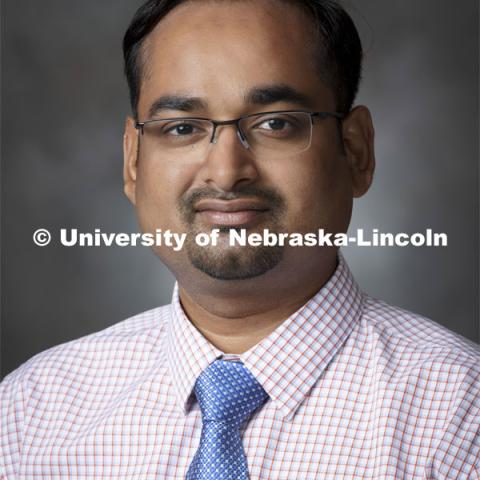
<point>139,126</point>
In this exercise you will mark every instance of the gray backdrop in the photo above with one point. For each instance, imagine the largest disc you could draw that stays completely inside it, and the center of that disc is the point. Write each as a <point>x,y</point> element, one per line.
<point>63,104</point>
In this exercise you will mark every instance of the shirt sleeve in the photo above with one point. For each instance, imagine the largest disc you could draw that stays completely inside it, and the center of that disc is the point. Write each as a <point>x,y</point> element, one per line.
<point>11,424</point>
<point>458,453</point>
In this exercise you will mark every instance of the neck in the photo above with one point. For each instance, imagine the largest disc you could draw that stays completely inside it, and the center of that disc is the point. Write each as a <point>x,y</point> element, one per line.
<point>235,319</point>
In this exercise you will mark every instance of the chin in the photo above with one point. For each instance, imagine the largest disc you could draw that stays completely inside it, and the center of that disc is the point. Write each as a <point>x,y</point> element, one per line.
<point>240,263</point>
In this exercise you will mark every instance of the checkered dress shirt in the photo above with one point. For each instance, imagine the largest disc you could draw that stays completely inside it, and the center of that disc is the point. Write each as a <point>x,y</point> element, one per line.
<point>357,390</point>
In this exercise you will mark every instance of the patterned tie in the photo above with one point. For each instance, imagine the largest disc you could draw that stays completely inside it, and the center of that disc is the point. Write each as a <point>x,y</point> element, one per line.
<point>228,394</point>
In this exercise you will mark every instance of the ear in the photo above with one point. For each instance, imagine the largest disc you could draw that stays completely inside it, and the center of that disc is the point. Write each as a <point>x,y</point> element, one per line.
<point>130,153</point>
<point>358,137</point>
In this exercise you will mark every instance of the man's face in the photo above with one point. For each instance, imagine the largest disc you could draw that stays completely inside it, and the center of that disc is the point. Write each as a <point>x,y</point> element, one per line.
<point>223,60</point>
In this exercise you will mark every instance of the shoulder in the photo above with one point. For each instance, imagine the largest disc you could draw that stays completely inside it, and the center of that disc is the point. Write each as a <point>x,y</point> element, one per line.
<point>421,360</point>
<point>431,377</point>
<point>134,340</point>
<point>84,375</point>
<point>400,330</point>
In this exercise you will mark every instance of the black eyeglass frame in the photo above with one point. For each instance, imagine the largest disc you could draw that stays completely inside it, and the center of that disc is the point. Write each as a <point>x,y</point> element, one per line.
<point>216,123</point>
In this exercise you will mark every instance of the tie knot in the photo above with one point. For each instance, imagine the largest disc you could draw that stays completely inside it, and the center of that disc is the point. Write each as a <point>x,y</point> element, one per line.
<point>228,392</point>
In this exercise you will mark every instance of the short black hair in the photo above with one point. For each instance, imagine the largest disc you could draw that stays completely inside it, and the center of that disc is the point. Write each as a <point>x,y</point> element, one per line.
<point>340,49</point>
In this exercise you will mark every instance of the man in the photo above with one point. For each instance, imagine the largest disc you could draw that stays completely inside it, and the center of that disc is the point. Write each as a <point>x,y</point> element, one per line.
<point>270,363</point>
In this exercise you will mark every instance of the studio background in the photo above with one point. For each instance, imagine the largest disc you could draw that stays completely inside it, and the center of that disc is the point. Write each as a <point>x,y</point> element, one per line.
<point>64,100</point>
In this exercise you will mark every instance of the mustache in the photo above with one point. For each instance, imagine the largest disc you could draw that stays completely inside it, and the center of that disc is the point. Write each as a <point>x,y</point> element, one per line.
<point>273,200</point>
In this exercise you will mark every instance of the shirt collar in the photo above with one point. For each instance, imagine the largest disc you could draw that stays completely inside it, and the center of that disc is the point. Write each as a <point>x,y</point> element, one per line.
<point>289,361</point>
<point>188,352</point>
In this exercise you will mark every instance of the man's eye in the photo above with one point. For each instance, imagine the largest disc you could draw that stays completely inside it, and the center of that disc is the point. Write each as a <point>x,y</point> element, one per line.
<point>180,129</point>
<point>274,124</point>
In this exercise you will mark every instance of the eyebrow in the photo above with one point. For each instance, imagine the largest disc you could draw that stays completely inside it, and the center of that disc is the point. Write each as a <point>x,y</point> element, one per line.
<point>268,94</point>
<point>176,102</point>
<point>263,95</point>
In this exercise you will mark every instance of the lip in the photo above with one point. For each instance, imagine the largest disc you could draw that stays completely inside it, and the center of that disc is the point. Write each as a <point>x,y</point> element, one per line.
<point>230,213</point>
<point>237,205</point>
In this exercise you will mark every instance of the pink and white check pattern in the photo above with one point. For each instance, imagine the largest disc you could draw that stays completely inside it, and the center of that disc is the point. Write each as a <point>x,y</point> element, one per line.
<point>357,390</point>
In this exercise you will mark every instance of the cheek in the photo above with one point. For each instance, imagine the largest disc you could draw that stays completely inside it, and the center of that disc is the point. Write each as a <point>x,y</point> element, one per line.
<point>318,192</point>
<point>159,186</point>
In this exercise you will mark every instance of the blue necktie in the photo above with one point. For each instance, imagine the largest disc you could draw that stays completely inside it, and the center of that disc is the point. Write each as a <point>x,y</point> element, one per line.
<point>228,394</point>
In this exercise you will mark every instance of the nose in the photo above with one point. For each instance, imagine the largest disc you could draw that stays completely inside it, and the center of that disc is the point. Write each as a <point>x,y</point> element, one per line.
<point>228,162</point>
<point>240,134</point>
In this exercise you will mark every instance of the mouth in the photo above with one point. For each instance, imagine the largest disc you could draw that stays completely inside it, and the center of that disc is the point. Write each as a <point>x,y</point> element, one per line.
<point>231,213</point>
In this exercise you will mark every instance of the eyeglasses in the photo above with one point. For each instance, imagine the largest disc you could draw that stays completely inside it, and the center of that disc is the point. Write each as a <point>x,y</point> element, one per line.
<point>267,133</point>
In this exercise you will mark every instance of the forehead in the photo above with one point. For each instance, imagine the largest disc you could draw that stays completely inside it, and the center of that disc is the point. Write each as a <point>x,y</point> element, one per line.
<point>234,17</point>
<point>221,50</point>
